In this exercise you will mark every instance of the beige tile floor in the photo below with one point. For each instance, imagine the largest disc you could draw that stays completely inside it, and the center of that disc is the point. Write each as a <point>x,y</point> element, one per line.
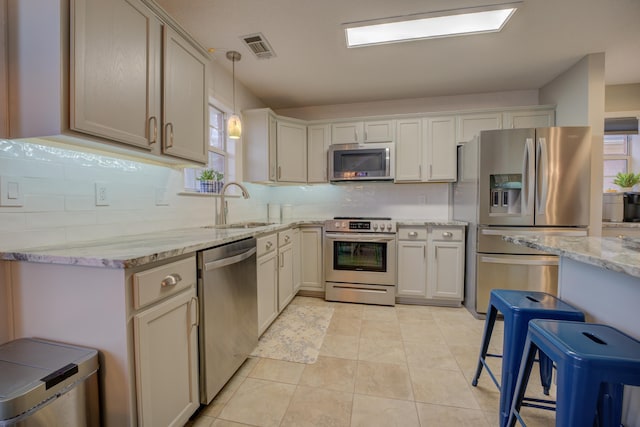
<point>378,366</point>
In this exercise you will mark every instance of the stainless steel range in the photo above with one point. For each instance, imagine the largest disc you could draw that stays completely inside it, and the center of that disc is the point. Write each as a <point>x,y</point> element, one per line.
<point>360,260</point>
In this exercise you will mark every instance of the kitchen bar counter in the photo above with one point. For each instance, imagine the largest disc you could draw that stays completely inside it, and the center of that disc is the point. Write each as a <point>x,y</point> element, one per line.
<point>610,253</point>
<point>601,277</point>
<point>140,249</point>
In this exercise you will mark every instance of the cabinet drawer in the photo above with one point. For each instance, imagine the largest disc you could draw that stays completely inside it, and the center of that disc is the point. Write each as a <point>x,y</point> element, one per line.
<point>412,233</point>
<point>157,283</point>
<point>285,237</point>
<point>447,234</point>
<point>266,244</point>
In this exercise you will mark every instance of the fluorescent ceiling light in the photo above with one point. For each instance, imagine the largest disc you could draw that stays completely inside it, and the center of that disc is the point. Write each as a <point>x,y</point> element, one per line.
<point>426,26</point>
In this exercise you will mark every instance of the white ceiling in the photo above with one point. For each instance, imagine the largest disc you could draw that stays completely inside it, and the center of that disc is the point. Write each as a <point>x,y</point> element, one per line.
<point>313,66</point>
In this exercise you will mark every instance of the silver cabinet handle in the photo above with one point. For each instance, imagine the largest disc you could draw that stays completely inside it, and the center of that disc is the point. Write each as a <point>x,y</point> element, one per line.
<point>169,139</point>
<point>287,238</point>
<point>269,245</point>
<point>171,280</point>
<point>447,234</point>
<point>153,130</point>
<point>413,234</point>
<point>279,172</point>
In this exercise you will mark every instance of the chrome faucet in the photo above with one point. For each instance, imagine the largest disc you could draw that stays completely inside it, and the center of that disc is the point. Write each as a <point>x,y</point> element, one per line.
<point>223,203</point>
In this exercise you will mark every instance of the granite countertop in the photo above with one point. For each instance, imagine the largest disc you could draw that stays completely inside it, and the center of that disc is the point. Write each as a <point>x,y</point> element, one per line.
<point>611,253</point>
<point>140,249</point>
<point>421,222</point>
<point>611,224</point>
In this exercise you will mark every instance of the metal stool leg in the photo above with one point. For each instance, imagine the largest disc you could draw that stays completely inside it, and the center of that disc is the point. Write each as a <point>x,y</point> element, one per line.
<point>486,338</point>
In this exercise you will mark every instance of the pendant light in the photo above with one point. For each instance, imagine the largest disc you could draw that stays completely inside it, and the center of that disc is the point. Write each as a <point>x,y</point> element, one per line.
<point>234,126</point>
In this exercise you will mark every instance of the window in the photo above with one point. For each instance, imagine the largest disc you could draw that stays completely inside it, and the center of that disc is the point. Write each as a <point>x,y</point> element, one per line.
<point>222,154</point>
<point>616,159</point>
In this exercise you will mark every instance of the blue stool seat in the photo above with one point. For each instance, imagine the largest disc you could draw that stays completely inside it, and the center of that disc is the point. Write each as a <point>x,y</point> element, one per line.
<point>518,308</point>
<point>593,363</point>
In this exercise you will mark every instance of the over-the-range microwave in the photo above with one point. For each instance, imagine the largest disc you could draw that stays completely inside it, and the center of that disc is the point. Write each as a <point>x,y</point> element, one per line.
<point>361,162</point>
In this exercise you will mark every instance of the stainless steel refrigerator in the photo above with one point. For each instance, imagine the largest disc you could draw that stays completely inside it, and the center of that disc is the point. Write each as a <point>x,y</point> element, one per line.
<point>521,182</point>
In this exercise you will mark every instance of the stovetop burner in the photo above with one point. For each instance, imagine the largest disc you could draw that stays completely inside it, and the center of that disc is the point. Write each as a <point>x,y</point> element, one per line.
<point>371,218</point>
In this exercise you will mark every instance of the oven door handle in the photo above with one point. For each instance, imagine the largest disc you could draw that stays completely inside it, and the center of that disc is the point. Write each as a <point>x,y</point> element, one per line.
<point>360,238</point>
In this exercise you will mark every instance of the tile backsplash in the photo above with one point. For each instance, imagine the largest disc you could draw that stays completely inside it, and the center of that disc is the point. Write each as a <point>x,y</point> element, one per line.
<point>58,188</point>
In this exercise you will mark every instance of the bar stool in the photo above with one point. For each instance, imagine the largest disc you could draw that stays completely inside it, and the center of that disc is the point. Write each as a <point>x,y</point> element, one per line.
<point>518,308</point>
<point>593,363</point>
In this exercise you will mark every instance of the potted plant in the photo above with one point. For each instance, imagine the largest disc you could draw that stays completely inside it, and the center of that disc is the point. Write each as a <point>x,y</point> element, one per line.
<point>626,181</point>
<point>218,178</point>
<point>206,179</point>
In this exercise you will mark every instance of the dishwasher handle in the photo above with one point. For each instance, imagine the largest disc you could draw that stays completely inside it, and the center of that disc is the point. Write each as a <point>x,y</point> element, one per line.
<point>228,261</point>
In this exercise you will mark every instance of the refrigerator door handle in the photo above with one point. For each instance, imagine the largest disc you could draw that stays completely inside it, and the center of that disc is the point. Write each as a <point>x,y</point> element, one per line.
<point>526,160</point>
<point>543,175</point>
<point>541,260</point>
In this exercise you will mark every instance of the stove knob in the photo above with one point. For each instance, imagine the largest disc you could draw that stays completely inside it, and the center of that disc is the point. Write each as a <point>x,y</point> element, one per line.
<point>337,224</point>
<point>389,227</point>
<point>375,226</point>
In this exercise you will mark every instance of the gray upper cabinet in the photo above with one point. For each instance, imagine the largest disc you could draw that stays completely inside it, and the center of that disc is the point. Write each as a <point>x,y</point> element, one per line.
<point>118,75</point>
<point>115,80</point>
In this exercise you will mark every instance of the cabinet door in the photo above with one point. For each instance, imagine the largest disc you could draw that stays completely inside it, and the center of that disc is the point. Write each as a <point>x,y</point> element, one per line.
<point>470,125</point>
<point>408,150</point>
<point>347,133</point>
<point>166,354</point>
<point>311,258</point>
<point>412,268</point>
<point>285,276</point>
<point>379,131</point>
<point>267,271</point>
<point>446,267</point>
<point>318,142</point>
<point>297,255</point>
<point>528,119</point>
<point>440,148</point>
<point>185,113</point>
<point>291,152</point>
<point>115,72</point>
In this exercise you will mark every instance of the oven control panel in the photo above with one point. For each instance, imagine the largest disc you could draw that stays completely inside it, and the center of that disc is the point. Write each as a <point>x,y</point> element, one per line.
<point>360,226</point>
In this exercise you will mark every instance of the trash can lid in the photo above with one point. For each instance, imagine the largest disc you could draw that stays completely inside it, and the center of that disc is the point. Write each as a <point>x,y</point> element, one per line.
<point>33,370</point>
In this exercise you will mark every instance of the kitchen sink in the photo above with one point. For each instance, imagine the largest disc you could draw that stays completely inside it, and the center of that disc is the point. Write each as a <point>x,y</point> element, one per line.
<point>249,224</point>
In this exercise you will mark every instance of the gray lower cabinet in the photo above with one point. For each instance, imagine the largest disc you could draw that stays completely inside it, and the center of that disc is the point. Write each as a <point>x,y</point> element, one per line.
<point>430,265</point>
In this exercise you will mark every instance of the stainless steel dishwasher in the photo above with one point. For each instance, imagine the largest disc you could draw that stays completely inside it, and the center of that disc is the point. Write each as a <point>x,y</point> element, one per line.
<point>227,289</point>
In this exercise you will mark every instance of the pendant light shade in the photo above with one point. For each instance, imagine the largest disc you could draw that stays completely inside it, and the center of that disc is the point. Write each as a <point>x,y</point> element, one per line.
<point>234,125</point>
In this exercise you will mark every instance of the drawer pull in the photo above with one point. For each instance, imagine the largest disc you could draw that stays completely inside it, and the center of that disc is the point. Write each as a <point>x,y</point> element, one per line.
<point>269,245</point>
<point>413,234</point>
<point>171,280</point>
<point>447,234</point>
<point>287,238</point>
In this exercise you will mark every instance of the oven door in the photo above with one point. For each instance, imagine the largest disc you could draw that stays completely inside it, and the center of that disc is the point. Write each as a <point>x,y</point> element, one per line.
<point>360,258</point>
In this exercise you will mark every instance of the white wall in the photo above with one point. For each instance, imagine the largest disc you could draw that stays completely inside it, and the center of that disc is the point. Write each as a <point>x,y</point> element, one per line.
<point>579,97</point>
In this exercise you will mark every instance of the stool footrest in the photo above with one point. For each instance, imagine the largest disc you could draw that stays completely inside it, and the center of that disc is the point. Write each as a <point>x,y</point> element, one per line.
<point>493,378</point>
<point>539,403</point>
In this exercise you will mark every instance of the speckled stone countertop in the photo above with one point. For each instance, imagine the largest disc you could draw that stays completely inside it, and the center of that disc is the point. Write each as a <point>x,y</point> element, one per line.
<point>140,249</point>
<point>421,222</point>
<point>607,224</point>
<point>611,253</point>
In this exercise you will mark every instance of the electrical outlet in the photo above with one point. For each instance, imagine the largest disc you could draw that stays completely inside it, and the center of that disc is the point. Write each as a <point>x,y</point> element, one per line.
<point>102,195</point>
<point>11,191</point>
<point>161,197</point>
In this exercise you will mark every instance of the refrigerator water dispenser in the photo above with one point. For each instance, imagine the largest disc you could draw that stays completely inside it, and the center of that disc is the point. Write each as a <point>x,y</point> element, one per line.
<point>505,194</point>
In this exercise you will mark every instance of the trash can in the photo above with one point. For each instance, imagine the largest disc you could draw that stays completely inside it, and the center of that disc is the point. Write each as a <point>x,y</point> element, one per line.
<point>44,383</point>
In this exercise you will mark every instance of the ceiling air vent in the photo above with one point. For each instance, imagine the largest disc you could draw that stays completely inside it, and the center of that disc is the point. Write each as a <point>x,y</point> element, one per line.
<point>259,45</point>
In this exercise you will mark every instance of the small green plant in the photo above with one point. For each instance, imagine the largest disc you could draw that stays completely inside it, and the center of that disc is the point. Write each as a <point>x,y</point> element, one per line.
<point>626,179</point>
<point>217,176</point>
<point>206,175</point>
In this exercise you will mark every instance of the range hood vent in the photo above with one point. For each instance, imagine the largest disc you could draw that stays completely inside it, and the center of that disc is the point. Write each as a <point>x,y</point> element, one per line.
<point>621,126</point>
<point>258,44</point>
